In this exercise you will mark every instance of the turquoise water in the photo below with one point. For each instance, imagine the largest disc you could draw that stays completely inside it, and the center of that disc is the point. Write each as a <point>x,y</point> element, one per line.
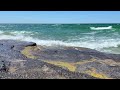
<point>76,35</point>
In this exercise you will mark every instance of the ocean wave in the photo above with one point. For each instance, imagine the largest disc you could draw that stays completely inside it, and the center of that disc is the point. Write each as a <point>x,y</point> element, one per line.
<point>90,33</point>
<point>56,24</point>
<point>2,26</point>
<point>1,32</point>
<point>101,28</point>
<point>93,44</point>
<point>16,33</point>
<point>88,42</point>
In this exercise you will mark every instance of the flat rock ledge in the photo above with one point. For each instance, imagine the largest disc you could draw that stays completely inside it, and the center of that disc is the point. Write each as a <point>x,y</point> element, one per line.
<point>27,60</point>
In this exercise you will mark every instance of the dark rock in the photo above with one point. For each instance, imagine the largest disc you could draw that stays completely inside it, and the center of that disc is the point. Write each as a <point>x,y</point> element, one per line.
<point>4,66</point>
<point>73,55</point>
<point>13,64</point>
<point>11,48</point>
<point>16,65</point>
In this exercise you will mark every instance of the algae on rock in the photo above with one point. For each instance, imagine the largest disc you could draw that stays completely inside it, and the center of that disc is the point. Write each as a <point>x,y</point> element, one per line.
<point>27,52</point>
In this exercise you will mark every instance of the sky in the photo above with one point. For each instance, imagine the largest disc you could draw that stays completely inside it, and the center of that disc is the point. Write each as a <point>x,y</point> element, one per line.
<point>59,16</point>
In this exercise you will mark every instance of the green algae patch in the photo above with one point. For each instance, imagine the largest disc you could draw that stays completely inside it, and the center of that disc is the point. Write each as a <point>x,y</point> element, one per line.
<point>27,51</point>
<point>93,73</point>
<point>67,65</point>
<point>70,66</point>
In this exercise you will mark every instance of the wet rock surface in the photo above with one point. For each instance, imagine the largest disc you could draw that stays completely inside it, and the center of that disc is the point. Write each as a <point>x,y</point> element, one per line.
<point>26,60</point>
<point>71,54</point>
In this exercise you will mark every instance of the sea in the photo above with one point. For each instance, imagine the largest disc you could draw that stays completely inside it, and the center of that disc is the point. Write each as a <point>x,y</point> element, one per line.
<point>103,39</point>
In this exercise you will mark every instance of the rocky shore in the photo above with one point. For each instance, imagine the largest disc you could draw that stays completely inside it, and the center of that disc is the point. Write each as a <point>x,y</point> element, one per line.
<point>26,60</point>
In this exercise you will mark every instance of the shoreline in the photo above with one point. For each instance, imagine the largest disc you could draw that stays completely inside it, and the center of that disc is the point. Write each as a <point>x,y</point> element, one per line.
<point>66,35</point>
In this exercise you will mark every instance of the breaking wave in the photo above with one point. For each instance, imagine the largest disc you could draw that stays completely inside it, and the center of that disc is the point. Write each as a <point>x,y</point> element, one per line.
<point>101,28</point>
<point>89,43</point>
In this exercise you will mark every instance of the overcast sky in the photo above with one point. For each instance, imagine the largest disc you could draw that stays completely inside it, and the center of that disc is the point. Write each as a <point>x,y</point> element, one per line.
<point>59,16</point>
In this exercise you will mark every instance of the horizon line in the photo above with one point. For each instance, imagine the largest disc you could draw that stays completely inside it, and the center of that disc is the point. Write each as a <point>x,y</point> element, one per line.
<point>60,23</point>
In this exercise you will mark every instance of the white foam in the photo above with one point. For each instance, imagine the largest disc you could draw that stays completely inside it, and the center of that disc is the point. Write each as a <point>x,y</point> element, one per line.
<point>20,32</point>
<point>101,28</point>
<point>1,32</point>
<point>91,33</point>
<point>88,43</point>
